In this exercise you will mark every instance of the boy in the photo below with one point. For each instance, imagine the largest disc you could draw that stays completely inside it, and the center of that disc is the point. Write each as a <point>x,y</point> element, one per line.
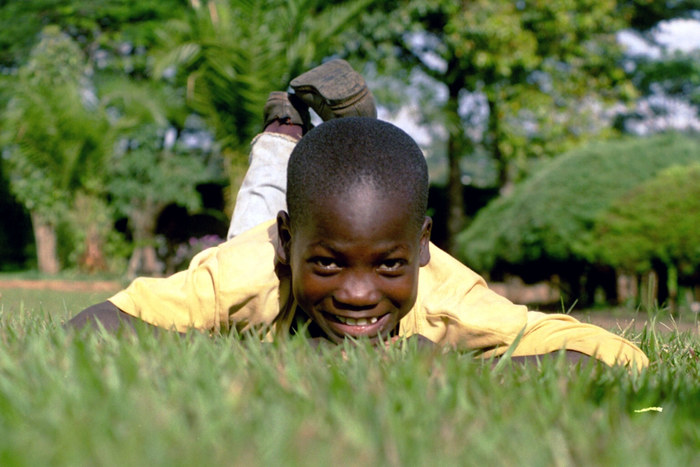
<point>350,256</point>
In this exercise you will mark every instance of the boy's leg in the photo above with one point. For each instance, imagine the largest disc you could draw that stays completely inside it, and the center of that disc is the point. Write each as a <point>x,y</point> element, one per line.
<point>262,193</point>
<point>333,90</point>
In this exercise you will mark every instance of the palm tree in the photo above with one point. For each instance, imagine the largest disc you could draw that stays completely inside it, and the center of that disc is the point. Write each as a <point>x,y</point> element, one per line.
<point>232,54</point>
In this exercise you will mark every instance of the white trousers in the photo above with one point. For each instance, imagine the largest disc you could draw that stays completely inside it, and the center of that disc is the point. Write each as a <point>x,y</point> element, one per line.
<point>263,191</point>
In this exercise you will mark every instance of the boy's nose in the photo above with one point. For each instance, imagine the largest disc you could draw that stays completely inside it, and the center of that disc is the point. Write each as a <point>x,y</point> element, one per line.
<point>357,291</point>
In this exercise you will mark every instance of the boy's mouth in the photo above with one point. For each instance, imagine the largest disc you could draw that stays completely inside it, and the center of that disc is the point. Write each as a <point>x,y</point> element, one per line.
<point>356,327</point>
<point>358,321</point>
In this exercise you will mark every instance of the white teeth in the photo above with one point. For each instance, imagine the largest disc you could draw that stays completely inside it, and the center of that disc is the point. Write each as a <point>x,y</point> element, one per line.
<point>356,322</point>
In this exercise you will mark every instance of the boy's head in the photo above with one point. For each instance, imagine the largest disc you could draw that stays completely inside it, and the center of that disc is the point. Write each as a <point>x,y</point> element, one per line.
<point>356,232</point>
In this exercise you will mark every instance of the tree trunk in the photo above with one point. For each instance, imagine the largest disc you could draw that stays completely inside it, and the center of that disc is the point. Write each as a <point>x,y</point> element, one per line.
<point>92,259</point>
<point>45,238</point>
<point>505,177</point>
<point>455,151</point>
<point>627,289</point>
<point>144,260</point>
<point>672,288</point>
<point>648,290</point>
<point>90,212</point>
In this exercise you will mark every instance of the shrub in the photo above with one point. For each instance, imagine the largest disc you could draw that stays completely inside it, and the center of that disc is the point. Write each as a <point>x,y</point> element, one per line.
<point>658,220</point>
<point>550,216</point>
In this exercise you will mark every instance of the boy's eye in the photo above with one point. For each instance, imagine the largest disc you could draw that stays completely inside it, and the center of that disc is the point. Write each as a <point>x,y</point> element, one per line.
<point>326,264</point>
<point>391,265</point>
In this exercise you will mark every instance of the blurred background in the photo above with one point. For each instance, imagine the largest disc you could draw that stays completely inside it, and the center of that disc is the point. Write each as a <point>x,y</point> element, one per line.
<point>562,137</point>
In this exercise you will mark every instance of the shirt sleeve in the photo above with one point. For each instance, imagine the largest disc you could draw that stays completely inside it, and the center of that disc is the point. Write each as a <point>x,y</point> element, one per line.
<point>231,285</point>
<point>455,307</point>
<point>550,332</point>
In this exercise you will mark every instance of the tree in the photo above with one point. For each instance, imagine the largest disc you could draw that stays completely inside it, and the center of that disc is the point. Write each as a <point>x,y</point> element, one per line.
<point>668,80</point>
<point>147,176</point>
<point>656,222</point>
<point>144,174</point>
<point>644,15</point>
<point>546,226</point>
<point>108,36</point>
<point>535,63</point>
<point>97,26</point>
<point>55,141</point>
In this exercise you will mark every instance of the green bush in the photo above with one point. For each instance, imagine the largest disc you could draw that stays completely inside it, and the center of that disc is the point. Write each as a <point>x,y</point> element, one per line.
<point>550,216</point>
<point>658,220</point>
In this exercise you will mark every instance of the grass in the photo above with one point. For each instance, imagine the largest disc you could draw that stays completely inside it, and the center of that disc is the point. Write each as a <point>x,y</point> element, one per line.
<point>59,305</point>
<point>95,399</point>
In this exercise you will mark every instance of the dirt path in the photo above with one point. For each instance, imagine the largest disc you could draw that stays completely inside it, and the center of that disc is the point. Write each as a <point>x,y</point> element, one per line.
<point>616,322</point>
<point>61,285</point>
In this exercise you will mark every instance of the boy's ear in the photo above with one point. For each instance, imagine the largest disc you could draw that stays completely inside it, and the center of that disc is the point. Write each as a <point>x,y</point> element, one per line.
<point>424,253</point>
<point>285,237</point>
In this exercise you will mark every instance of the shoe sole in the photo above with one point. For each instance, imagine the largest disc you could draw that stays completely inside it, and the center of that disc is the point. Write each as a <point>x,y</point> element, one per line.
<point>335,82</point>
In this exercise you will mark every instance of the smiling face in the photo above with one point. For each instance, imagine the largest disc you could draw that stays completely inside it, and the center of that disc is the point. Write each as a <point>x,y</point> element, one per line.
<point>354,260</point>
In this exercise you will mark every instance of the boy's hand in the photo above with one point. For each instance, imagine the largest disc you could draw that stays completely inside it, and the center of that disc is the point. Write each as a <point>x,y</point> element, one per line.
<point>422,342</point>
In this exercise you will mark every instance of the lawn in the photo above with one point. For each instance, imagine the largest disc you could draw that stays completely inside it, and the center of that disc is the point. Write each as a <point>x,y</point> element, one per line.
<point>92,399</point>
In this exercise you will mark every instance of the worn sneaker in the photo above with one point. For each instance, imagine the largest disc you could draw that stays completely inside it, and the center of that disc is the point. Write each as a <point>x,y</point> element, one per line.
<point>287,109</point>
<point>335,90</point>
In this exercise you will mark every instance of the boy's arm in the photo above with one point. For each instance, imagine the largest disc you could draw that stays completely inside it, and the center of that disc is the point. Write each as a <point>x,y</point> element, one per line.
<point>545,332</point>
<point>456,308</point>
<point>179,302</point>
<point>233,284</point>
<point>106,315</point>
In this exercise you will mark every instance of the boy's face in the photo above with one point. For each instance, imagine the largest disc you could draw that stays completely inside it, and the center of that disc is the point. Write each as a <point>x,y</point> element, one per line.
<point>354,262</point>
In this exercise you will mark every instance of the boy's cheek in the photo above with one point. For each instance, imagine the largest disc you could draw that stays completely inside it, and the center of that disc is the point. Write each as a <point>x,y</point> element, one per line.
<point>307,290</point>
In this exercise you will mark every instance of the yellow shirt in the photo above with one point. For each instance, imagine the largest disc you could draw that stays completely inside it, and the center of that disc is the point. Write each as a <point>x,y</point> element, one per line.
<point>235,286</point>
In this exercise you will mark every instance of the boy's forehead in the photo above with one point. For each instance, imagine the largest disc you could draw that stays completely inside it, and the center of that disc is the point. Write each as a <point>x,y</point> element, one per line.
<point>362,210</point>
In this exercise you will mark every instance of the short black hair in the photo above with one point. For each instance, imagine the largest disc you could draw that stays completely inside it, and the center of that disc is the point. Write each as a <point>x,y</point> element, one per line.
<point>340,154</point>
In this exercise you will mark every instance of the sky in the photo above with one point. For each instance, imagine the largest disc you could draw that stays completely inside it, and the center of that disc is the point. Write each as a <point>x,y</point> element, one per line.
<point>676,35</point>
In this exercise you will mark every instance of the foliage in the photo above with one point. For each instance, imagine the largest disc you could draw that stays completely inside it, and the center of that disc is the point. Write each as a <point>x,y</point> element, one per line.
<point>676,75</point>
<point>165,400</point>
<point>57,143</point>
<point>106,25</point>
<point>645,14</point>
<point>657,220</point>
<point>230,55</point>
<point>541,67</point>
<point>148,172</point>
<point>667,77</point>
<point>55,134</point>
<point>61,156</point>
<point>550,216</point>
<point>146,176</point>
<point>145,168</point>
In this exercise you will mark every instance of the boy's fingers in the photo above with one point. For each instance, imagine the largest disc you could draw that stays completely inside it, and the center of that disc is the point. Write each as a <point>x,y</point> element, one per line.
<point>422,342</point>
